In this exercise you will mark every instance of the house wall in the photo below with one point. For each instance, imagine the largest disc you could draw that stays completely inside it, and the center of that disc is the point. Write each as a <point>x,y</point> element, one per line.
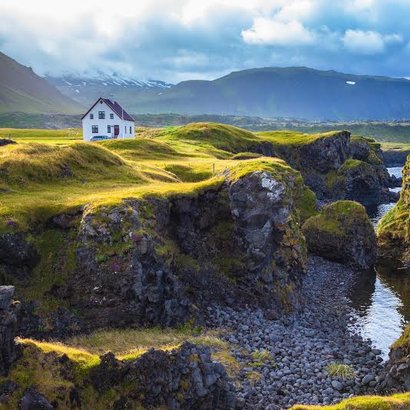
<point>102,124</point>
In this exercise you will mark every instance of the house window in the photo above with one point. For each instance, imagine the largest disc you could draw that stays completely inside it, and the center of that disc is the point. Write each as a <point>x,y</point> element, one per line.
<point>111,116</point>
<point>94,129</point>
<point>101,115</point>
<point>130,130</point>
<point>125,129</point>
<point>109,129</point>
<point>91,116</point>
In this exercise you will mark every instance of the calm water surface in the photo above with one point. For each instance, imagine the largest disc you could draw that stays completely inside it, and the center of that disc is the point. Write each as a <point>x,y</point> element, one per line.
<point>382,299</point>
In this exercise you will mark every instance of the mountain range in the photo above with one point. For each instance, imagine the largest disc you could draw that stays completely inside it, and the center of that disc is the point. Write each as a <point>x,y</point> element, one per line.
<point>294,92</point>
<point>21,90</point>
<point>128,91</point>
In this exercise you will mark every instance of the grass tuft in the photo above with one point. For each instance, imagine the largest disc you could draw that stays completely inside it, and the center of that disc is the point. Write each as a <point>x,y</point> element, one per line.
<point>341,370</point>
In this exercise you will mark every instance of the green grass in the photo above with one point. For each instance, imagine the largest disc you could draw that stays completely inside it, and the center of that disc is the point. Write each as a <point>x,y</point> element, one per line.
<point>60,137</point>
<point>83,358</point>
<point>54,369</point>
<point>395,402</point>
<point>50,172</point>
<point>292,138</point>
<point>403,342</point>
<point>340,370</point>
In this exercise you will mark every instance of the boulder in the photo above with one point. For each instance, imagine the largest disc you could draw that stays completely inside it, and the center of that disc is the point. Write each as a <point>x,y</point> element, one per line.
<point>6,141</point>
<point>342,232</point>
<point>33,400</point>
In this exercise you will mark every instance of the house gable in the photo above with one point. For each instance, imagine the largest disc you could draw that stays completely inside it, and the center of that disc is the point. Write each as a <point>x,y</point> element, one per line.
<point>114,107</point>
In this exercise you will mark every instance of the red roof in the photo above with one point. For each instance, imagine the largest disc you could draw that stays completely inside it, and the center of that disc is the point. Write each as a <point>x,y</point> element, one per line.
<point>115,107</point>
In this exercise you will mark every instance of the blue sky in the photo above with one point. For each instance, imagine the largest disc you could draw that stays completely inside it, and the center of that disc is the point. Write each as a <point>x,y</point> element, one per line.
<point>175,40</point>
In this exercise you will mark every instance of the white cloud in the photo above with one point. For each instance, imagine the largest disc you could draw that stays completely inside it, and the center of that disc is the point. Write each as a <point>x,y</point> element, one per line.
<point>271,32</point>
<point>368,42</point>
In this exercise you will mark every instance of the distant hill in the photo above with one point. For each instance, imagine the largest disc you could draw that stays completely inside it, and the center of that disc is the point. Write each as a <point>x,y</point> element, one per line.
<point>296,92</point>
<point>87,90</point>
<point>289,92</point>
<point>21,90</point>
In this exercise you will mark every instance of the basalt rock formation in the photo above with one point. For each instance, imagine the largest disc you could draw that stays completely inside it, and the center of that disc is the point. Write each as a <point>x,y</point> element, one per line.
<point>394,229</point>
<point>183,378</point>
<point>161,260</point>
<point>342,232</point>
<point>395,158</point>
<point>337,166</point>
<point>397,369</point>
<point>156,261</point>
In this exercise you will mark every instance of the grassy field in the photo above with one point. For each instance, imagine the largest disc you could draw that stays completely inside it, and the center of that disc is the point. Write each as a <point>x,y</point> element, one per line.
<point>51,171</point>
<point>59,137</point>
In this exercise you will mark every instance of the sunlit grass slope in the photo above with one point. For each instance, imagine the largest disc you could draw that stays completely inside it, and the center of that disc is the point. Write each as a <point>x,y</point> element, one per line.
<point>395,402</point>
<point>48,172</point>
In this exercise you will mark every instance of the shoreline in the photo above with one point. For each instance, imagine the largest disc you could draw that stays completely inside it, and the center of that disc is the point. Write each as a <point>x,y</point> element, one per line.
<point>301,346</point>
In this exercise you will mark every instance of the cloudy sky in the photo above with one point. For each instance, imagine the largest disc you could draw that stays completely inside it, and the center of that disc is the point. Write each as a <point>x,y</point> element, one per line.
<point>174,40</point>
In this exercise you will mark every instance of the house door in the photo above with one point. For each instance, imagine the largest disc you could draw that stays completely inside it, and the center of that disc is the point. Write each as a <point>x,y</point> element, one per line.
<point>116,130</point>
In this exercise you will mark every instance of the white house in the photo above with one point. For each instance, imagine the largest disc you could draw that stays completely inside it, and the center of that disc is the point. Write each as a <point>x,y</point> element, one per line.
<point>106,118</point>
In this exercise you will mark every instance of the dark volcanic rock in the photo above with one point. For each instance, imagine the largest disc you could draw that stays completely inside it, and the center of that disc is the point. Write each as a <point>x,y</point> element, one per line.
<point>395,158</point>
<point>6,141</point>
<point>8,327</point>
<point>186,378</point>
<point>394,229</point>
<point>342,233</point>
<point>33,400</point>
<point>397,370</point>
<point>17,255</point>
<point>157,261</point>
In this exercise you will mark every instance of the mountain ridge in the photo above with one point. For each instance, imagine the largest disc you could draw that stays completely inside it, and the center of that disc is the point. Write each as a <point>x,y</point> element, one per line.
<point>270,92</point>
<point>22,90</point>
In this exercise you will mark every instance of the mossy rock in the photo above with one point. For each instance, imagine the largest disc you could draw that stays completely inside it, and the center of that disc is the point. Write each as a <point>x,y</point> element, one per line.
<point>342,232</point>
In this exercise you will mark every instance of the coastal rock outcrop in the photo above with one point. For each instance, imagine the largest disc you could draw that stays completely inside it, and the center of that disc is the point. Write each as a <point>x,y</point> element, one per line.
<point>337,166</point>
<point>394,229</point>
<point>155,261</point>
<point>397,370</point>
<point>395,158</point>
<point>342,232</point>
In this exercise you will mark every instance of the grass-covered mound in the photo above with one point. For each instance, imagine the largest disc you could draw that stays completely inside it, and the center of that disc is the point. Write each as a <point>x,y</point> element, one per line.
<point>61,174</point>
<point>395,402</point>
<point>394,229</point>
<point>342,232</point>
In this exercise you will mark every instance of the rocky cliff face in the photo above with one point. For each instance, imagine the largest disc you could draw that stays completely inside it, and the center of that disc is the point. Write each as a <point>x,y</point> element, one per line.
<point>338,167</point>
<point>8,328</point>
<point>397,370</point>
<point>156,261</point>
<point>394,229</point>
<point>161,261</point>
<point>395,158</point>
